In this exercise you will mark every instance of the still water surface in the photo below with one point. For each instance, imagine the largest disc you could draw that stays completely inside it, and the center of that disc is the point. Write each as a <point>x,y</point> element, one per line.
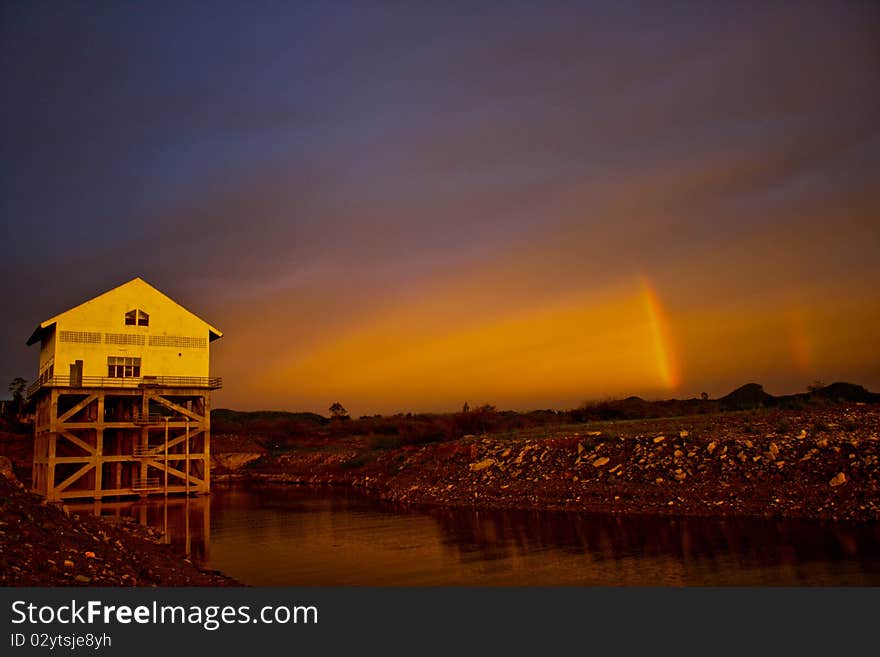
<point>301,536</point>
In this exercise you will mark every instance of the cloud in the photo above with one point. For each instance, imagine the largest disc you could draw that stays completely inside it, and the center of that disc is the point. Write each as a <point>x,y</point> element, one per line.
<point>311,175</point>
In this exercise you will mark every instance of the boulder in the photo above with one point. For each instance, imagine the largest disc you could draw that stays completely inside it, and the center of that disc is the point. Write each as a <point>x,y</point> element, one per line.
<point>233,460</point>
<point>6,468</point>
<point>482,465</point>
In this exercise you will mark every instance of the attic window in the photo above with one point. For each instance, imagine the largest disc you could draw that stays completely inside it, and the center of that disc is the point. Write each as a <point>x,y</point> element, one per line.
<point>137,317</point>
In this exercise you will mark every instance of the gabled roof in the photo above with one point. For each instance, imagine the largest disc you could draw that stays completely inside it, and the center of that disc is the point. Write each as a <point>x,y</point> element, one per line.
<point>43,327</point>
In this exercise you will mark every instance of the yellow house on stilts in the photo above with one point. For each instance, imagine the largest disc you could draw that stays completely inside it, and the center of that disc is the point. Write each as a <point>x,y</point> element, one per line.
<point>123,397</point>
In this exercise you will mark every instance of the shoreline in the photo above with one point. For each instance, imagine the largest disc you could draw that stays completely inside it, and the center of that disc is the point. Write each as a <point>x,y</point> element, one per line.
<point>817,464</point>
<point>41,544</point>
<point>812,464</point>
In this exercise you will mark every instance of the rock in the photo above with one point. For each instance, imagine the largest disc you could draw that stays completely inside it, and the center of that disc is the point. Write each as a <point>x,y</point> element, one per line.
<point>711,447</point>
<point>233,460</point>
<point>774,450</point>
<point>482,465</point>
<point>599,462</point>
<point>581,448</point>
<point>6,468</point>
<point>82,578</point>
<point>659,439</point>
<point>683,434</point>
<point>837,480</point>
<point>802,434</point>
<point>68,563</point>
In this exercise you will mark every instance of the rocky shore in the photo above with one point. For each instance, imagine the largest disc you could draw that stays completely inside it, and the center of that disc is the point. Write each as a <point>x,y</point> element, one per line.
<point>815,463</point>
<point>821,463</point>
<point>42,545</point>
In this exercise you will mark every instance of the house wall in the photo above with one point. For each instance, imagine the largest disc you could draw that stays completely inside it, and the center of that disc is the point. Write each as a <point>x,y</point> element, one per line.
<point>47,350</point>
<point>174,344</point>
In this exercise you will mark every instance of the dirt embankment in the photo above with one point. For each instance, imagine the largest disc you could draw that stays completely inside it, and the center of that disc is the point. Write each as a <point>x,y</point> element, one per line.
<point>41,545</point>
<point>818,463</point>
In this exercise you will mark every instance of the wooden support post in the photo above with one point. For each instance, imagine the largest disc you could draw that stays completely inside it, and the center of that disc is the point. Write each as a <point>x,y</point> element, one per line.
<point>50,451</point>
<point>166,466</point>
<point>50,469</point>
<point>99,446</point>
<point>165,537</point>
<point>206,525</point>
<point>145,432</point>
<point>186,469</point>
<point>99,462</point>
<point>206,438</point>
<point>186,524</point>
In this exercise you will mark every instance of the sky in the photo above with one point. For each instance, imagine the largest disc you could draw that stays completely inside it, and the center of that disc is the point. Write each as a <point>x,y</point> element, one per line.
<point>406,206</point>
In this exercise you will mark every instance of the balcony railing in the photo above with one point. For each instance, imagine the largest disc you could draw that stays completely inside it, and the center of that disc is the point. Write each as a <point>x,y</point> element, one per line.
<point>155,418</point>
<point>211,383</point>
<point>148,483</point>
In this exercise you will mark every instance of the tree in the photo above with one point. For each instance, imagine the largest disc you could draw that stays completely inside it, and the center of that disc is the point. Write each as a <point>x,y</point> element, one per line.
<point>17,389</point>
<point>704,396</point>
<point>466,408</point>
<point>815,386</point>
<point>338,412</point>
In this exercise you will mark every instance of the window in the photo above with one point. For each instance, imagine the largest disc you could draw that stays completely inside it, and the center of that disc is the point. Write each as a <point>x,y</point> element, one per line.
<point>119,367</point>
<point>137,317</point>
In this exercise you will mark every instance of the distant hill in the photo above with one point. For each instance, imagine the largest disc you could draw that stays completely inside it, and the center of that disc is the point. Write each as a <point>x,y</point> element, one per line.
<point>277,429</point>
<point>751,395</point>
<point>841,391</point>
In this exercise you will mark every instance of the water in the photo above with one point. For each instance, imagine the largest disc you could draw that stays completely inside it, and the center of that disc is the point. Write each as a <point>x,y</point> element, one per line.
<point>300,536</point>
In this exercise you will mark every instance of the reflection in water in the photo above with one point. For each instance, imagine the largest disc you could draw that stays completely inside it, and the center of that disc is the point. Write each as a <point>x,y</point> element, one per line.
<point>304,536</point>
<point>185,523</point>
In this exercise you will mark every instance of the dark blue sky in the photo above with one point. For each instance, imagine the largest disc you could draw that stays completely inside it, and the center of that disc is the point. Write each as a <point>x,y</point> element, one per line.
<point>318,168</point>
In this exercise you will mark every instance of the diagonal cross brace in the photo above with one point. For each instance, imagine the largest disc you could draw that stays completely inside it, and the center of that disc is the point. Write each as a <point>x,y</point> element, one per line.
<point>78,442</point>
<point>76,409</point>
<point>72,478</point>
<point>177,407</point>
<point>174,471</point>
<point>159,449</point>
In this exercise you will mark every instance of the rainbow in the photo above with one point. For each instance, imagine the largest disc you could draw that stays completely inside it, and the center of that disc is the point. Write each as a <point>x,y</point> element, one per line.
<point>664,352</point>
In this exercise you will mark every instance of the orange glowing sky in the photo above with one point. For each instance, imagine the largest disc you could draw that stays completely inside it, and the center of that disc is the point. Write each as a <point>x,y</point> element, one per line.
<point>404,208</point>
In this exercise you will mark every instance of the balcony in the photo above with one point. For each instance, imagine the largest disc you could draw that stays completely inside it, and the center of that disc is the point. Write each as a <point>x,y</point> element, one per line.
<point>209,383</point>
